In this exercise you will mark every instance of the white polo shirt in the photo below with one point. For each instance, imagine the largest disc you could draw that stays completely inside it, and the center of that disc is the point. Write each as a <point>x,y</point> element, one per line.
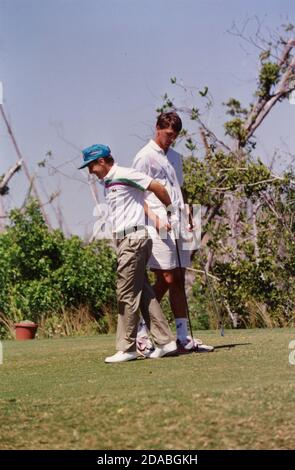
<point>167,170</point>
<point>124,192</point>
<point>164,168</point>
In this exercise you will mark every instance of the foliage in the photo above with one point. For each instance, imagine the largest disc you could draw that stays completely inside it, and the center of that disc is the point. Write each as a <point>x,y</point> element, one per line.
<point>268,77</point>
<point>43,274</point>
<point>235,128</point>
<point>234,108</point>
<point>248,228</point>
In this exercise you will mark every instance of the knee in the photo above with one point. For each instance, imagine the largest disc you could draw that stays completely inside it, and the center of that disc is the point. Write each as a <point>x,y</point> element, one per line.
<point>174,278</point>
<point>169,279</point>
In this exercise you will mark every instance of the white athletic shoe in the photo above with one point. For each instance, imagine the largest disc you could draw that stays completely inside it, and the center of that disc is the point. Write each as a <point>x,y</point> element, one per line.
<point>192,346</point>
<point>197,341</point>
<point>163,350</point>
<point>204,348</point>
<point>122,356</point>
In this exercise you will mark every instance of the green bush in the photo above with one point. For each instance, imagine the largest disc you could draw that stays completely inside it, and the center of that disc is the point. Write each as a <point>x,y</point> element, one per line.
<point>42,273</point>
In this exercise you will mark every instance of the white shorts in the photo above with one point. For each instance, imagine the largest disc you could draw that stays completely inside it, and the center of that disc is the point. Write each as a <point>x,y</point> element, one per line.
<point>164,253</point>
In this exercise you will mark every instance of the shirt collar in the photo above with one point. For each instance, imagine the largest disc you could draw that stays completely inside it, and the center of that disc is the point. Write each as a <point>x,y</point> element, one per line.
<point>156,147</point>
<point>111,172</point>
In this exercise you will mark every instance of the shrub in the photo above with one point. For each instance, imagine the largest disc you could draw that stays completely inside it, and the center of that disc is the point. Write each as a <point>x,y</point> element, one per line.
<point>42,273</point>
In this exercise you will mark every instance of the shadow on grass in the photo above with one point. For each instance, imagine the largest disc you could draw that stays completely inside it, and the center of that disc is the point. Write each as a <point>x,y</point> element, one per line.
<point>232,345</point>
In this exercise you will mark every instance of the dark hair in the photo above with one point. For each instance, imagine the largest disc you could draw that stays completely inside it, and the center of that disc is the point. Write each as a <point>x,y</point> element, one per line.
<point>166,120</point>
<point>109,160</point>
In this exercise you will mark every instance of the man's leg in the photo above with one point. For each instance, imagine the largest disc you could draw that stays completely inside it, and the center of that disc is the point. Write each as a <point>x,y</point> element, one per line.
<point>171,280</point>
<point>130,278</point>
<point>153,316</point>
<point>134,290</point>
<point>159,290</point>
<point>152,313</point>
<point>161,285</point>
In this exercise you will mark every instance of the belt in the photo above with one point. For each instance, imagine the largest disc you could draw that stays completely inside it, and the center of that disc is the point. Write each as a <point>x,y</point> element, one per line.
<point>122,233</point>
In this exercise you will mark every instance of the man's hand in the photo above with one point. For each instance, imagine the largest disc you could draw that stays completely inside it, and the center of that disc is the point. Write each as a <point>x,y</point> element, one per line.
<point>158,223</point>
<point>173,219</point>
<point>161,225</point>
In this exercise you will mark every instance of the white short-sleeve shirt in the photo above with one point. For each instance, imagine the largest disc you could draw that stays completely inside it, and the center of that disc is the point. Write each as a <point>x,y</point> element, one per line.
<point>124,192</point>
<point>164,168</point>
<point>167,170</point>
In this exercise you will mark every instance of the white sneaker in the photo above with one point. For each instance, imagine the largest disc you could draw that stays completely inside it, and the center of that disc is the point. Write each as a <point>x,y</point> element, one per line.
<point>163,350</point>
<point>197,341</point>
<point>191,346</point>
<point>202,348</point>
<point>122,356</point>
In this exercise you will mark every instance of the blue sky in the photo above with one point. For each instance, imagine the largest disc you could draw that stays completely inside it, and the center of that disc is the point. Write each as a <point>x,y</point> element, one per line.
<point>77,72</point>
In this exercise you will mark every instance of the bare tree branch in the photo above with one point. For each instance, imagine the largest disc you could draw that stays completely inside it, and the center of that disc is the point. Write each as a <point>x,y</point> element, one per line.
<point>264,105</point>
<point>9,174</point>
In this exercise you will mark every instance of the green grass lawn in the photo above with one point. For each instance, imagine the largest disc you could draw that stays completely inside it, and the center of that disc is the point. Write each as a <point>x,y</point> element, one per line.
<point>59,394</point>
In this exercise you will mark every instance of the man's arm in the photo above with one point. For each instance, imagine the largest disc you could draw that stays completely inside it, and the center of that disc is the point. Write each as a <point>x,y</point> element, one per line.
<point>160,191</point>
<point>162,194</point>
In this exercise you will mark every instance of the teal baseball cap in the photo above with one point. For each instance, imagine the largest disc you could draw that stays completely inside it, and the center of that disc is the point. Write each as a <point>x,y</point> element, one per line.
<point>93,153</point>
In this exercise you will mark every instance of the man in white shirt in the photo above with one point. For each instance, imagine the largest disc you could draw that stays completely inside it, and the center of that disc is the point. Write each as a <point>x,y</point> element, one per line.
<point>159,161</point>
<point>124,193</point>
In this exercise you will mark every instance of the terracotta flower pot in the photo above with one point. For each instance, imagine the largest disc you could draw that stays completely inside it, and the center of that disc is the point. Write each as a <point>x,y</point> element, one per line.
<point>25,330</point>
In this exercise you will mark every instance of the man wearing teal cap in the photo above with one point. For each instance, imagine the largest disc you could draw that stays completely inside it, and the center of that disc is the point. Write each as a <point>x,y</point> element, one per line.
<point>124,193</point>
<point>92,153</point>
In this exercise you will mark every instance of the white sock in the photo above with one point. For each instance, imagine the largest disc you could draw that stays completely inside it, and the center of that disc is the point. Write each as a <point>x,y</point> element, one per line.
<point>142,329</point>
<point>181,329</point>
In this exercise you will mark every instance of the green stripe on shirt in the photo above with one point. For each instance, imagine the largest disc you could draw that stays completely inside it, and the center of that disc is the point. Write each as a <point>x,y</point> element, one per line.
<point>124,181</point>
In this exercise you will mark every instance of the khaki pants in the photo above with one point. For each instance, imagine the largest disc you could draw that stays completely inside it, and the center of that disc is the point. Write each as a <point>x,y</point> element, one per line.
<point>135,293</point>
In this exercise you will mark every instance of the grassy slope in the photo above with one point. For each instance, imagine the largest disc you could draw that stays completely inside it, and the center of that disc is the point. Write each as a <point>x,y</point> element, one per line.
<point>58,394</point>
